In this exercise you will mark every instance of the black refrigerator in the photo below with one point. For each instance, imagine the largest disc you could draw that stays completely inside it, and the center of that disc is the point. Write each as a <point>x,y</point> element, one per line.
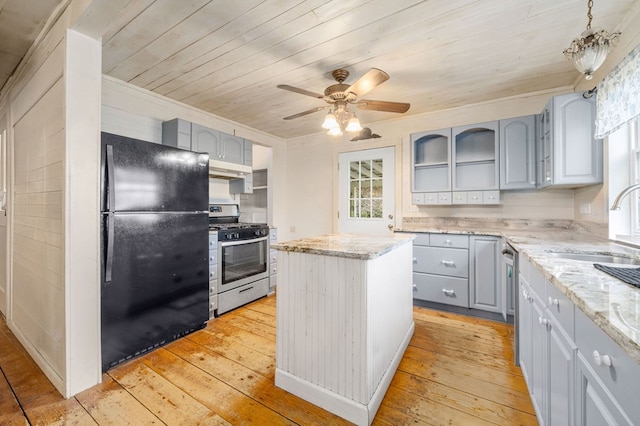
<point>154,246</point>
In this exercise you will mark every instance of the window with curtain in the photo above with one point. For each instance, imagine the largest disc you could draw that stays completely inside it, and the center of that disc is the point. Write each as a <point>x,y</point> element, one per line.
<point>634,167</point>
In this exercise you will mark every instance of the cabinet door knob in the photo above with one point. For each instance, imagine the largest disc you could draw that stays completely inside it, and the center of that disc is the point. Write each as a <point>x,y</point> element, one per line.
<point>543,321</point>
<point>553,301</point>
<point>415,260</point>
<point>415,287</point>
<point>600,359</point>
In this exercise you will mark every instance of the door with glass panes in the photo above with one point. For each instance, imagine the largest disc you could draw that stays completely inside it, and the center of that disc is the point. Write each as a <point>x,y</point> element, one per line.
<point>367,191</point>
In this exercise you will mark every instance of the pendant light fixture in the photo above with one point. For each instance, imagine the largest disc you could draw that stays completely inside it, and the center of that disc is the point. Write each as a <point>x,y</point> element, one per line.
<point>590,50</point>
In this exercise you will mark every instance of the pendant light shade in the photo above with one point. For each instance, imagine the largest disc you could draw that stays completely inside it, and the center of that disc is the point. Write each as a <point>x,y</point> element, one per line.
<point>590,50</point>
<point>330,121</point>
<point>354,125</point>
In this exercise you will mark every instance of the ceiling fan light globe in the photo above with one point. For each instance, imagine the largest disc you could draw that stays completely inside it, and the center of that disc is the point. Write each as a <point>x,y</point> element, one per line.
<point>353,125</point>
<point>335,132</point>
<point>330,122</point>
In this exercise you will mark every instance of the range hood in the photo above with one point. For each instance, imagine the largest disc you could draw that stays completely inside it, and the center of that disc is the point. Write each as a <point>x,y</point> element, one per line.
<point>225,170</point>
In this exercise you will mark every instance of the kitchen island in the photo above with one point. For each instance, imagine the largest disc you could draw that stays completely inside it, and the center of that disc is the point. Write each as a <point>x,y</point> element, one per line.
<point>344,319</point>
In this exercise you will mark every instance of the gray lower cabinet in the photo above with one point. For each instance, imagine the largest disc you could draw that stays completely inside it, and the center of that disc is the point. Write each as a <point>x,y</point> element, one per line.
<point>485,290</point>
<point>441,269</point>
<point>458,270</point>
<point>547,352</point>
<point>576,375</point>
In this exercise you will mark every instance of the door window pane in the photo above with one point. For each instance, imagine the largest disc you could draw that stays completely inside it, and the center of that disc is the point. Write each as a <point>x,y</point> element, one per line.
<point>365,195</point>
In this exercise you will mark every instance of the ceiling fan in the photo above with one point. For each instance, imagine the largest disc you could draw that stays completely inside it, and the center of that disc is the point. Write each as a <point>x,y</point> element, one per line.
<point>338,96</point>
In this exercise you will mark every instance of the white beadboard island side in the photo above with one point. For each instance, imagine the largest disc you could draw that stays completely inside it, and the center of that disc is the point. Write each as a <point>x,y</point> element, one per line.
<point>344,319</point>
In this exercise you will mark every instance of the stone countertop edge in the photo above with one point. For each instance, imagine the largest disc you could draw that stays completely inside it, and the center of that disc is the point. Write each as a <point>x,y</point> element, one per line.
<point>353,246</point>
<point>588,288</point>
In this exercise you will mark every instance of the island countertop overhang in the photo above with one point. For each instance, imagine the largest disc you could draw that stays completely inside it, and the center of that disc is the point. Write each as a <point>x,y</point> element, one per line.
<point>353,246</point>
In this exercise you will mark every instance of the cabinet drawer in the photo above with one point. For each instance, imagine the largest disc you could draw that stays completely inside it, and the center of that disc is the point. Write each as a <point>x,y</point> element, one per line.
<point>421,240</point>
<point>213,273</point>
<point>459,197</point>
<point>273,256</point>
<point>622,377</point>
<point>474,197</point>
<point>213,258</point>
<point>491,197</point>
<point>560,307</point>
<point>449,290</point>
<point>430,198</point>
<point>444,197</point>
<point>449,240</point>
<point>441,261</point>
<point>213,240</point>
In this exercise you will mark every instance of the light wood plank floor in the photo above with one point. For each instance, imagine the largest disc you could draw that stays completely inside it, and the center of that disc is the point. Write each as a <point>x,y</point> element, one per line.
<point>457,370</point>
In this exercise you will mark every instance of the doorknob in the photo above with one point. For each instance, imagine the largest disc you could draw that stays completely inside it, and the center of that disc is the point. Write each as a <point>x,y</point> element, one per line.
<point>390,226</point>
<point>390,216</point>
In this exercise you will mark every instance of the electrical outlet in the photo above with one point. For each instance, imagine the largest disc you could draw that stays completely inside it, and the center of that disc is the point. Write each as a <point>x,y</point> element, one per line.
<point>585,208</point>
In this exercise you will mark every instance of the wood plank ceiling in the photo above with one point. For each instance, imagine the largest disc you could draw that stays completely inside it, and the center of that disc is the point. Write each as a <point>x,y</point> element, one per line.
<point>227,56</point>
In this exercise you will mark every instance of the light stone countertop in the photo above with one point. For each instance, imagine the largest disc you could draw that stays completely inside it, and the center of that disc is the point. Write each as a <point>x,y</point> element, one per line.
<point>346,245</point>
<point>612,304</point>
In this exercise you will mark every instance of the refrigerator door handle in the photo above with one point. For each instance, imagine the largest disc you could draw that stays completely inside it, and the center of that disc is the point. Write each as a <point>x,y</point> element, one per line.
<point>111,201</point>
<point>108,267</point>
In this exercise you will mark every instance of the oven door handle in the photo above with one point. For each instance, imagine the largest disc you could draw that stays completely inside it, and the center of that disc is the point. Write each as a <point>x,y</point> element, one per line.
<point>237,243</point>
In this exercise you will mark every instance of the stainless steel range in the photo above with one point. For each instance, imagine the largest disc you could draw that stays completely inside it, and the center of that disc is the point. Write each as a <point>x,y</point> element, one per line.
<point>238,261</point>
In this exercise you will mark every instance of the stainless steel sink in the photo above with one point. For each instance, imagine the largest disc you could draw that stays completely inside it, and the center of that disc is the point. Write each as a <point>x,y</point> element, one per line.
<point>595,257</point>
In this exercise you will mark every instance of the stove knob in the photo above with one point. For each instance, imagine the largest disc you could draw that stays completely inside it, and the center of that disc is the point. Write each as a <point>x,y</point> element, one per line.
<point>236,235</point>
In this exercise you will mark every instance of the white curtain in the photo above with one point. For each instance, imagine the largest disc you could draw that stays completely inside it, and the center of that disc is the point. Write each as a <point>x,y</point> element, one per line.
<point>618,99</point>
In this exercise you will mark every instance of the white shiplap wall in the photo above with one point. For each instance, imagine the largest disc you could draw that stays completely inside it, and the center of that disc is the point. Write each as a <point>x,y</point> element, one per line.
<point>38,120</point>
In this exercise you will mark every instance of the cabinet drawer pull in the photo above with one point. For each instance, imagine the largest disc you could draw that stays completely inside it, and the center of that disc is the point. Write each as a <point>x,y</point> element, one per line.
<point>448,292</point>
<point>415,287</point>
<point>600,359</point>
<point>448,262</point>
<point>553,301</point>
<point>543,321</point>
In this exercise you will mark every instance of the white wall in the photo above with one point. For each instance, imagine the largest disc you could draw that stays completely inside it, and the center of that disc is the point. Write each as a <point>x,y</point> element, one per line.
<point>4,277</point>
<point>139,113</point>
<point>312,172</point>
<point>37,257</point>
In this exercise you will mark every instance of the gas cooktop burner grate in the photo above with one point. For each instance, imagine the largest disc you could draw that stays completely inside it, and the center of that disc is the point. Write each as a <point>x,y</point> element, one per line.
<point>223,226</point>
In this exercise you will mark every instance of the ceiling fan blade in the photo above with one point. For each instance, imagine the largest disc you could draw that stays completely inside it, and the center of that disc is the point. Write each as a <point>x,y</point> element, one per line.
<point>301,91</point>
<point>303,113</point>
<point>368,82</point>
<point>383,105</point>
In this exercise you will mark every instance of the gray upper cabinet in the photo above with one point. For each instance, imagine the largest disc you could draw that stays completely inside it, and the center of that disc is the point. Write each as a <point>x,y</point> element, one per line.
<point>431,160</point>
<point>204,139</point>
<point>177,133</point>
<point>517,153</point>
<point>231,149</point>
<point>474,157</point>
<point>569,156</point>
<point>219,145</point>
